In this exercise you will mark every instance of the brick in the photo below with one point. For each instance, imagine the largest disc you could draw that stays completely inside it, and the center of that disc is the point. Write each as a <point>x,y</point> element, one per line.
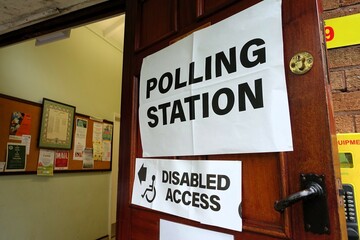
<point>349,2</point>
<point>353,79</point>
<point>344,123</point>
<point>349,101</point>
<point>343,57</point>
<point>357,123</point>
<point>330,4</point>
<point>337,80</point>
<point>340,12</point>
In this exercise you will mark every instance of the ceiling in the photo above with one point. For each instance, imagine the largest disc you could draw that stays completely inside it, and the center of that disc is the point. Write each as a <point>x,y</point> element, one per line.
<point>16,14</point>
<point>111,30</point>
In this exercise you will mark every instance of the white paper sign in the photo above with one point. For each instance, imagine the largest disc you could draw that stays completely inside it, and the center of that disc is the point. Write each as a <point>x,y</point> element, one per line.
<point>220,90</point>
<point>204,191</point>
<point>175,231</point>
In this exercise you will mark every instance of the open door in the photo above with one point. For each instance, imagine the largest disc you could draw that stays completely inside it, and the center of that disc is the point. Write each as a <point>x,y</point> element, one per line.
<point>267,177</point>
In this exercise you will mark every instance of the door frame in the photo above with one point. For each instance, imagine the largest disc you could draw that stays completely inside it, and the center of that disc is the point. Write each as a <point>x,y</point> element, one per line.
<point>73,19</point>
<point>77,18</point>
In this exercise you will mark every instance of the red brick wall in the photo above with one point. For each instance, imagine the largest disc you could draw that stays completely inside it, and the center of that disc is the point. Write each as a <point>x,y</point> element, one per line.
<point>344,71</point>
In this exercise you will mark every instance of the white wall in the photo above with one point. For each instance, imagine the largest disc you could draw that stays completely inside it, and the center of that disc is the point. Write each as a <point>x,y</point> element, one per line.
<point>64,207</point>
<point>83,71</point>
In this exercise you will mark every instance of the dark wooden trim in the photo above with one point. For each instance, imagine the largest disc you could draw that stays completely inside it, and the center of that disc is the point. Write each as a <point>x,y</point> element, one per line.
<point>20,100</point>
<point>127,125</point>
<point>76,18</point>
<point>103,237</point>
<point>57,171</point>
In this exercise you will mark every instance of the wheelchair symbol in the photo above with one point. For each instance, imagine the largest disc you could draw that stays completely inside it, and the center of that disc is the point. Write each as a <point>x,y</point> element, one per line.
<point>151,190</point>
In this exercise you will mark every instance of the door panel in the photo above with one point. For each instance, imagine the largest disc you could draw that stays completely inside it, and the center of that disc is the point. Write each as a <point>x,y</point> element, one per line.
<point>188,10</point>
<point>267,177</point>
<point>258,205</point>
<point>151,13</point>
<point>206,7</point>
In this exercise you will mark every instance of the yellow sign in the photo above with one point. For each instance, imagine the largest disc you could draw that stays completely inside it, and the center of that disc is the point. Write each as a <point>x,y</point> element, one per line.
<point>342,31</point>
<point>349,155</point>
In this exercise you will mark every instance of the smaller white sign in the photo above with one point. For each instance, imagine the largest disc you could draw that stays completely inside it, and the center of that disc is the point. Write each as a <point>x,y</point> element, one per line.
<point>204,191</point>
<point>176,231</point>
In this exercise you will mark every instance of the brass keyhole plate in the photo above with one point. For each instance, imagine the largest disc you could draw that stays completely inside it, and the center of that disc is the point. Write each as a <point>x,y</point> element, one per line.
<point>301,63</point>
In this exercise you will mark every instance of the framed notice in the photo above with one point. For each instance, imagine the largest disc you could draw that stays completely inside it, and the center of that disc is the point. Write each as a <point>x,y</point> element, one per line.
<point>57,124</point>
<point>15,157</point>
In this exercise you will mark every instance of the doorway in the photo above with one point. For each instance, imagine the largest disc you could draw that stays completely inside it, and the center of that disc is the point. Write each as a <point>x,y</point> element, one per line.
<point>32,72</point>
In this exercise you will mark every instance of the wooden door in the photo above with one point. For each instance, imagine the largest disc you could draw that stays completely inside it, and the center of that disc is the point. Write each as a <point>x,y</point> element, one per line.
<point>154,24</point>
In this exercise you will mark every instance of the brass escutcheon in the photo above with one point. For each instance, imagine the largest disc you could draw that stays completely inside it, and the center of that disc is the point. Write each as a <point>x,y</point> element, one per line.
<point>301,63</point>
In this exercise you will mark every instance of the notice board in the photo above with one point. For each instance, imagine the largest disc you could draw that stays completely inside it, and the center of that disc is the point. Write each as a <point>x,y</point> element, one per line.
<point>9,106</point>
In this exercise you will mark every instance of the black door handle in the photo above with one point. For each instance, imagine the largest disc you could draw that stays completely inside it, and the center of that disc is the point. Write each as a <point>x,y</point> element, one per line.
<point>313,190</point>
<point>314,202</point>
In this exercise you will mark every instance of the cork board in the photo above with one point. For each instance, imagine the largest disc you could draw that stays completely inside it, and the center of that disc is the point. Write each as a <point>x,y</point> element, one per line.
<point>9,106</point>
